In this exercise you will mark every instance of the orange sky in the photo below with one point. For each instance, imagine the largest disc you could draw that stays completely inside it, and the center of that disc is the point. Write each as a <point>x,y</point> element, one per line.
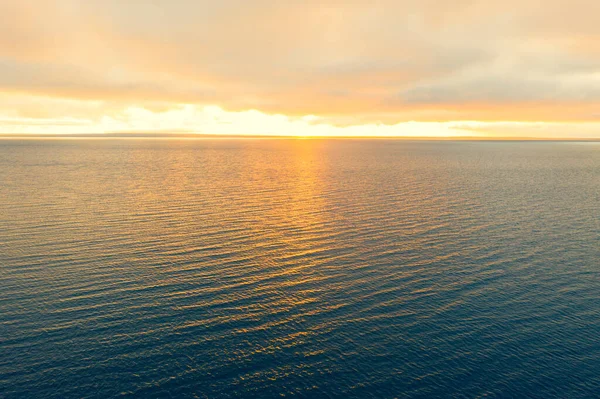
<point>380,67</point>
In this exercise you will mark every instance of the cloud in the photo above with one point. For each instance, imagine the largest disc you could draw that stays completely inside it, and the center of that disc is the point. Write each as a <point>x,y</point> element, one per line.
<point>504,89</point>
<point>91,118</point>
<point>349,62</point>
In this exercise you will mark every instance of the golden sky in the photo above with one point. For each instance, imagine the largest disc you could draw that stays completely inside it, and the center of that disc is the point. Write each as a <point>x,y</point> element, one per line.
<point>509,68</point>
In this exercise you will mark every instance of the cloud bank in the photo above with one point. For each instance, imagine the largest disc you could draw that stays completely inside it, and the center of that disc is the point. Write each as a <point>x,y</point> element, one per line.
<point>376,64</point>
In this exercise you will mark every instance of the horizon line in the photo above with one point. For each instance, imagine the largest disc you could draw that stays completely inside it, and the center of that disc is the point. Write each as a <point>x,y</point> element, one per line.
<point>271,136</point>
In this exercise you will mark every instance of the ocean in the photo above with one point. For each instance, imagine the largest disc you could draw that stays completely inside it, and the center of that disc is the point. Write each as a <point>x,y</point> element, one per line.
<point>269,268</point>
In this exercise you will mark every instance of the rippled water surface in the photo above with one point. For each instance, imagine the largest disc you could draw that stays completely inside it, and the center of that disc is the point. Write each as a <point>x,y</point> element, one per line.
<point>299,268</point>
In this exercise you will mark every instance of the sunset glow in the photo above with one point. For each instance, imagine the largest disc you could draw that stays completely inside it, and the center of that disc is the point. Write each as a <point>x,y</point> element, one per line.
<point>299,199</point>
<point>301,68</point>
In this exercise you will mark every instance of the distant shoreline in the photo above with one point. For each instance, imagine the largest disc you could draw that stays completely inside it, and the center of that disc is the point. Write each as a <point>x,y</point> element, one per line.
<point>193,136</point>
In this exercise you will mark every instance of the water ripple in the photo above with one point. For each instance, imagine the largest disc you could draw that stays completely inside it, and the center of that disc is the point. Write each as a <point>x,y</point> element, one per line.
<point>271,268</point>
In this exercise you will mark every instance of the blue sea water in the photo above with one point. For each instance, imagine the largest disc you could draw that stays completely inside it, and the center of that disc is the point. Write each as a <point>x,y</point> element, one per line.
<point>299,268</point>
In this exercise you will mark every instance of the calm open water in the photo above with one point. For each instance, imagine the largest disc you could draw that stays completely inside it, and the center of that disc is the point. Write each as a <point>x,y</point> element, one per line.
<point>299,268</point>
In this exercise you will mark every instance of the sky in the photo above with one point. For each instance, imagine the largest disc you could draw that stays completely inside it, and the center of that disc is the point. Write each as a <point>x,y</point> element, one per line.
<point>436,68</point>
